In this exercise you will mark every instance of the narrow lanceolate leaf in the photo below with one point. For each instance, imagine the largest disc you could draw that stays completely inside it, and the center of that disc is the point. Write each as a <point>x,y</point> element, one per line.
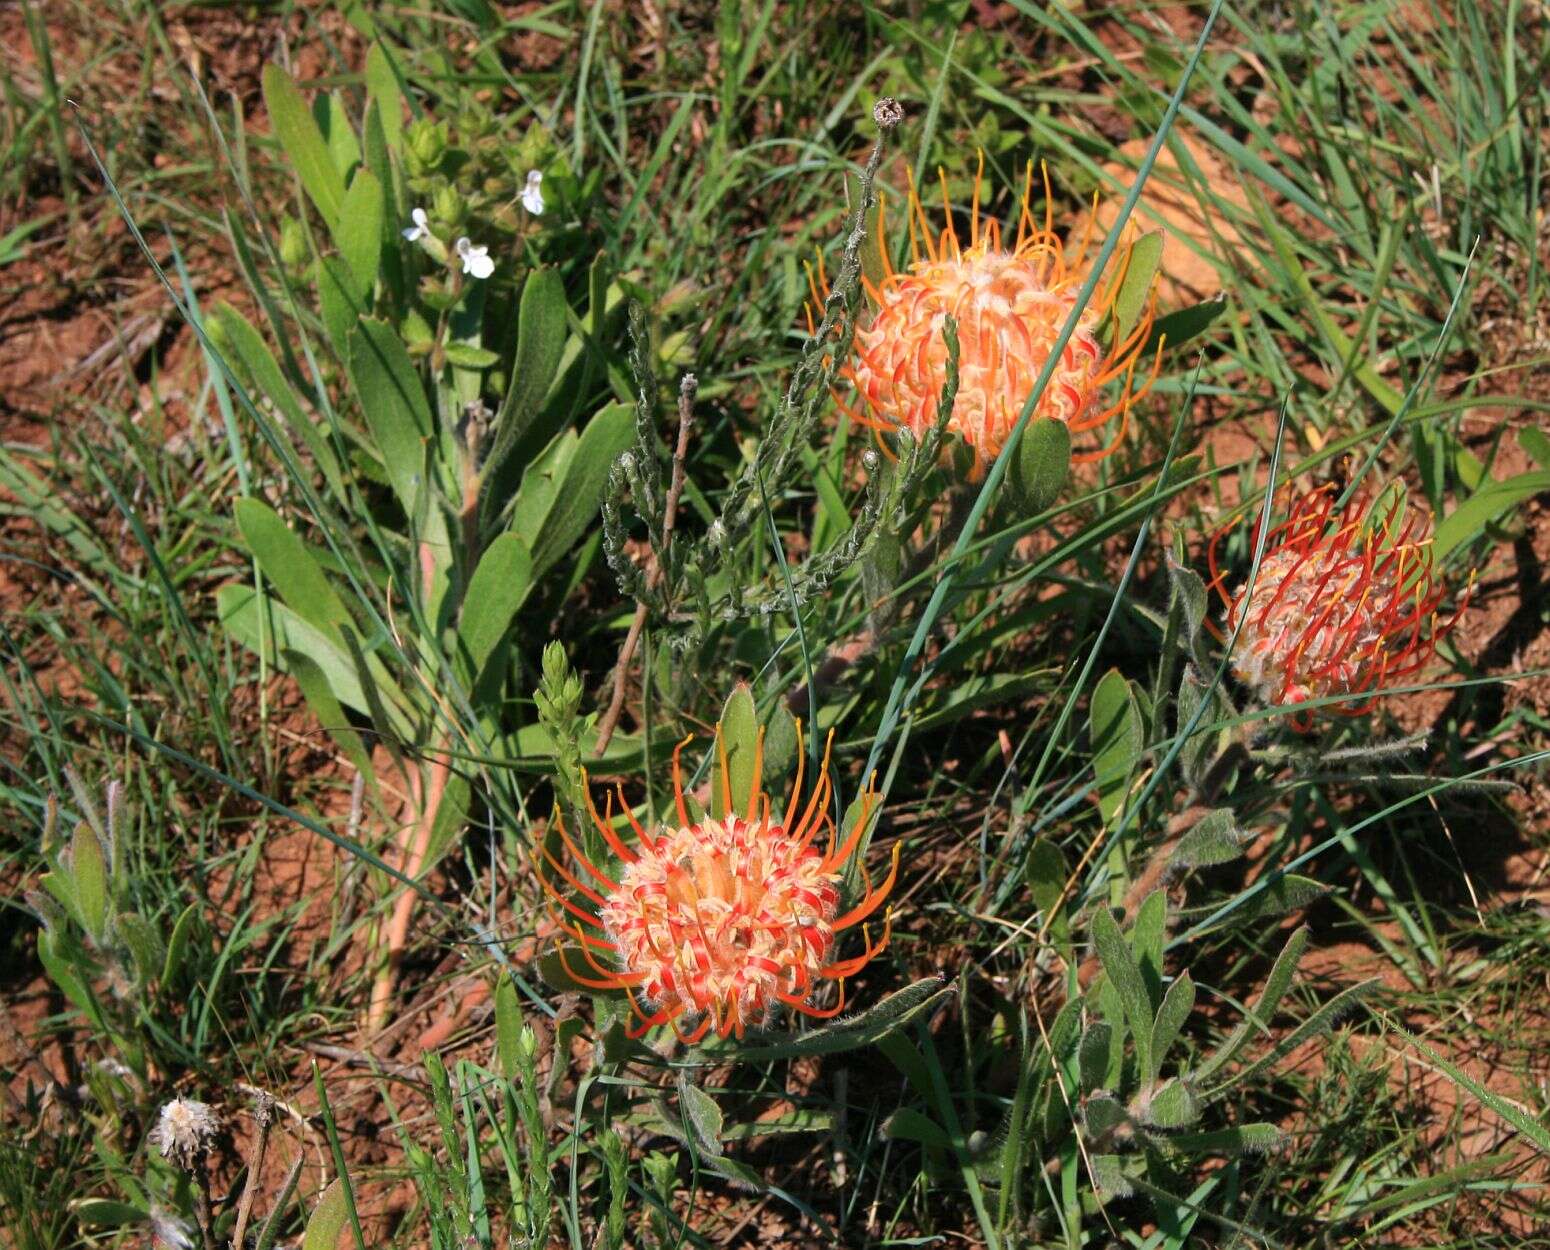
<point>1512,1112</point>
<point>496,592</point>
<point>1288,892</point>
<point>1135,288</point>
<point>1115,728</point>
<point>327,1220</point>
<point>290,566</point>
<point>1240,1139</point>
<point>508,1028</point>
<point>702,1117</point>
<point>396,411</point>
<point>542,329</point>
<point>1215,839</point>
<point>1264,1008</point>
<point>89,870</point>
<point>1039,469</point>
<point>871,1026</point>
<point>579,494</point>
<point>1184,324</point>
<point>359,231</point>
<point>383,89</point>
<point>1490,503</point>
<point>1124,973</point>
<point>266,380</point>
<point>298,133</point>
<point>737,743</point>
<point>1321,1021</point>
<point>1177,1003</point>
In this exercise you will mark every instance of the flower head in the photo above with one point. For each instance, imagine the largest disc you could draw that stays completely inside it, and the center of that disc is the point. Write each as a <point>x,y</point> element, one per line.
<point>1343,605</point>
<point>532,196</point>
<point>476,259</point>
<point>421,227</point>
<point>1010,306</point>
<point>184,1131</point>
<point>722,919</point>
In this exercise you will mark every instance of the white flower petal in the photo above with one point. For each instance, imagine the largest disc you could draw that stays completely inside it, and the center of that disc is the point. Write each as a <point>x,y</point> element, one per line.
<point>476,260</point>
<point>532,197</point>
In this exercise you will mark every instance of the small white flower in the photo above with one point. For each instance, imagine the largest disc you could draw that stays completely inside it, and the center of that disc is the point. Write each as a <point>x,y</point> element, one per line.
<point>532,197</point>
<point>476,260</point>
<point>421,227</point>
<point>184,1131</point>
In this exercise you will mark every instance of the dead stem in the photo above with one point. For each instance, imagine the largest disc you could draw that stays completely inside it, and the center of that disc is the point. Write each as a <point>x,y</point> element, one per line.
<point>610,721</point>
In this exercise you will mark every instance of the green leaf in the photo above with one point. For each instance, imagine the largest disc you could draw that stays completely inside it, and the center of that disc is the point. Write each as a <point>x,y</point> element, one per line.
<point>1537,444</point>
<point>1215,839</point>
<point>266,381</point>
<point>89,871</point>
<point>1109,1176</point>
<point>239,610</point>
<point>1488,504</point>
<point>359,231</point>
<point>1146,941</point>
<point>396,411</point>
<point>1102,1114</point>
<point>542,329</point>
<point>580,489</point>
<point>907,1124</point>
<point>1135,288</point>
<point>338,302</point>
<point>383,89</point>
<point>1119,964</point>
<point>886,1016</point>
<point>1240,1139</point>
<point>1115,728</point>
<point>1321,1021</point>
<point>1177,1003</point>
<point>508,1028</point>
<point>1172,1106</point>
<point>105,1213</point>
<point>1047,879</point>
<point>1042,462</point>
<point>144,943</point>
<point>334,124</point>
<point>1264,1008</point>
<point>1188,592</point>
<point>467,356</point>
<point>177,944</point>
<point>737,742</point>
<point>1288,892</point>
<point>291,567</point>
<point>328,1219</point>
<point>496,592</point>
<point>1184,324</point>
<point>702,1116</point>
<point>557,964</point>
<point>1093,1055</point>
<point>298,133</point>
<point>780,746</point>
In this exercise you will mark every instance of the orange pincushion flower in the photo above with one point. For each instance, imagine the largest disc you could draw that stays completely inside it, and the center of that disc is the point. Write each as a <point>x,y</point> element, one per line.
<point>1010,307</point>
<point>723,920</point>
<point>1342,605</point>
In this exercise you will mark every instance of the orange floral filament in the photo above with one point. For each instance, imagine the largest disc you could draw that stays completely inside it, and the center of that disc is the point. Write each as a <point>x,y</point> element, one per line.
<point>1010,306</point>
<point>719,923</point>
<point>1343,604</point>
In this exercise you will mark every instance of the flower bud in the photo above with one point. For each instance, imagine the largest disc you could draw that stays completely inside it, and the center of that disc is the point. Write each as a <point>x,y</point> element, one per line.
<point>294,252</point>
